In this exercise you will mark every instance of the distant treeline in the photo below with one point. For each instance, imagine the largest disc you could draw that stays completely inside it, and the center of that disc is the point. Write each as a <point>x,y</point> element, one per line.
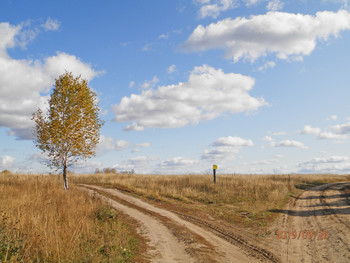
<point>112,171</point>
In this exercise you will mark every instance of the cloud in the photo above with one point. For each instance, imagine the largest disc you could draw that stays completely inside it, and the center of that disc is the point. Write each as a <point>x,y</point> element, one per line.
<point>131,84</point>
<point>267,65</point>
<point>324,135</point>
<point>171,69</point>
<point>51,25</point>
<point>7,39</point>
<point>145,144</point>
<point>140,164</point>
<point>249,3</point>
<point>290,143</point>
<point>148,47</point>
<point>310,130</point>
<point>343,2</point>
<point>331,159</point>
<point>141,145</point>
<point>25,83</point>
<point>86,167</point>
<point>40,157</point>
<point>279,133</point>
<point>150,83</point>
<point>133,127</point>
<point>177,163</point>
<point>141,159</point>
<point>163,36</point>
<point>213,8</point>
<point>177,31</point>
<point>274,159</point>
<point>333,117</point>
<point>56,65</point>
<point>332,164</point>
<point>285,34</point>
<point>109,144</point>
<point>268,139</point>
<point>232,142</point>
<point>6,161</point>
<point>274,5</point>
<point>225,148</point>
<point>23,33</point>
<point>342,128</point>
<point>207,94</point>
<point>331,135</point>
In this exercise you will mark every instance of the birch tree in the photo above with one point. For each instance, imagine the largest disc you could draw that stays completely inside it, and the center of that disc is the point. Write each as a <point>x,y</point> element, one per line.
<point>70,130</point>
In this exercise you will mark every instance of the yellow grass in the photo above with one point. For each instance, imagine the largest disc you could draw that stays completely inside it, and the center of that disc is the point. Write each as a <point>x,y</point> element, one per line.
<point>40,222</point>
<point>240,199</point>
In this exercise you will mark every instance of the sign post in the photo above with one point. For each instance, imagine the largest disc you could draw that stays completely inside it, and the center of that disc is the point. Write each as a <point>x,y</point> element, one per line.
<point>214,172</point>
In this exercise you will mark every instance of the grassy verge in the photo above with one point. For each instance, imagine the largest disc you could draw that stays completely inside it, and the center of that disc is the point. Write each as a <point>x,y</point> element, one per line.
<point>40,222</point>
<point>241,200</point>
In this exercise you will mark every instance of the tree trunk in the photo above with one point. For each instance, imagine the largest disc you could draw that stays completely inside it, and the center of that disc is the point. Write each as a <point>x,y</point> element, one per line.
<point>65,181</point>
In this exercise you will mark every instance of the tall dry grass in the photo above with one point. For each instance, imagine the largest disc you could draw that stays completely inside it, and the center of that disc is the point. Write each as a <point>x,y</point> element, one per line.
<point>253,196</point>
<point>40,222</point>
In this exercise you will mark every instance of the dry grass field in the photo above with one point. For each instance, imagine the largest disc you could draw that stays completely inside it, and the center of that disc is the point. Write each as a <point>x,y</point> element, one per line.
<point>40,222</point>
<point>243,200</point>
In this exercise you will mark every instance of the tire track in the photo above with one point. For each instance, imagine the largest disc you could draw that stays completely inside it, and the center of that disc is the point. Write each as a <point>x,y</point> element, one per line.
<point>164,247</point>
<point>338,223</point>
<point>259,253</point>
<point>325,211</point>
<point>228,246</point>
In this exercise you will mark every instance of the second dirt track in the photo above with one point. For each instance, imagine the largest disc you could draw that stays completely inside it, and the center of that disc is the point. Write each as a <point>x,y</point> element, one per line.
<point>321,208</point>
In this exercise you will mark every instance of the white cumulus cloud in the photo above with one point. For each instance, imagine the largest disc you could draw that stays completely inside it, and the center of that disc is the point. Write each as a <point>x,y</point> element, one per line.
<point>310,130</point>
<point>207,94</point>
<point>177,164</point>
<point>331,136</point>
<point>6,161</point>
<point>325,134</point>
<point>285,34</point>
<point>24,82</point>
<point>332,164</point>
<point>225,148</point>
<point>290,143</point>
<point>109,144</point>
<point>140,164</point>
<point>342,128</point>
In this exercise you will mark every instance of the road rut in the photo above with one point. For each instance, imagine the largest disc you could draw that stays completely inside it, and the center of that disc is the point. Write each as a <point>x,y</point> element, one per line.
<point>165,247</point>
<point>318,221</point>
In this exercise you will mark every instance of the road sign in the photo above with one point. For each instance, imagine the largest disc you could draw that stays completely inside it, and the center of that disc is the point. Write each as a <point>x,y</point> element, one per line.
<point>214,172</point>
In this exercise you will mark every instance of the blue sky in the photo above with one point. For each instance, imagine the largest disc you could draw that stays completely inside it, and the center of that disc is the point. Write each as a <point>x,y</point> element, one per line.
<point>254,86</point>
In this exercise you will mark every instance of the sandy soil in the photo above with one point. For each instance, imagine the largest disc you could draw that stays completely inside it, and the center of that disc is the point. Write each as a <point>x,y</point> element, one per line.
<point>315,226</point>
<point>165,246</point>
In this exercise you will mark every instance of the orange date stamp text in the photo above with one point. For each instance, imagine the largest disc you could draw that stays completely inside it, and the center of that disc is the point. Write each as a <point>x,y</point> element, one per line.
<point>302,234</point>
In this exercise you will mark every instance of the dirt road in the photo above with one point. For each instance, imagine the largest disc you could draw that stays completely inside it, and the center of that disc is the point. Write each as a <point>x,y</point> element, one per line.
<point>171,238</point>
<point>315,226</point>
